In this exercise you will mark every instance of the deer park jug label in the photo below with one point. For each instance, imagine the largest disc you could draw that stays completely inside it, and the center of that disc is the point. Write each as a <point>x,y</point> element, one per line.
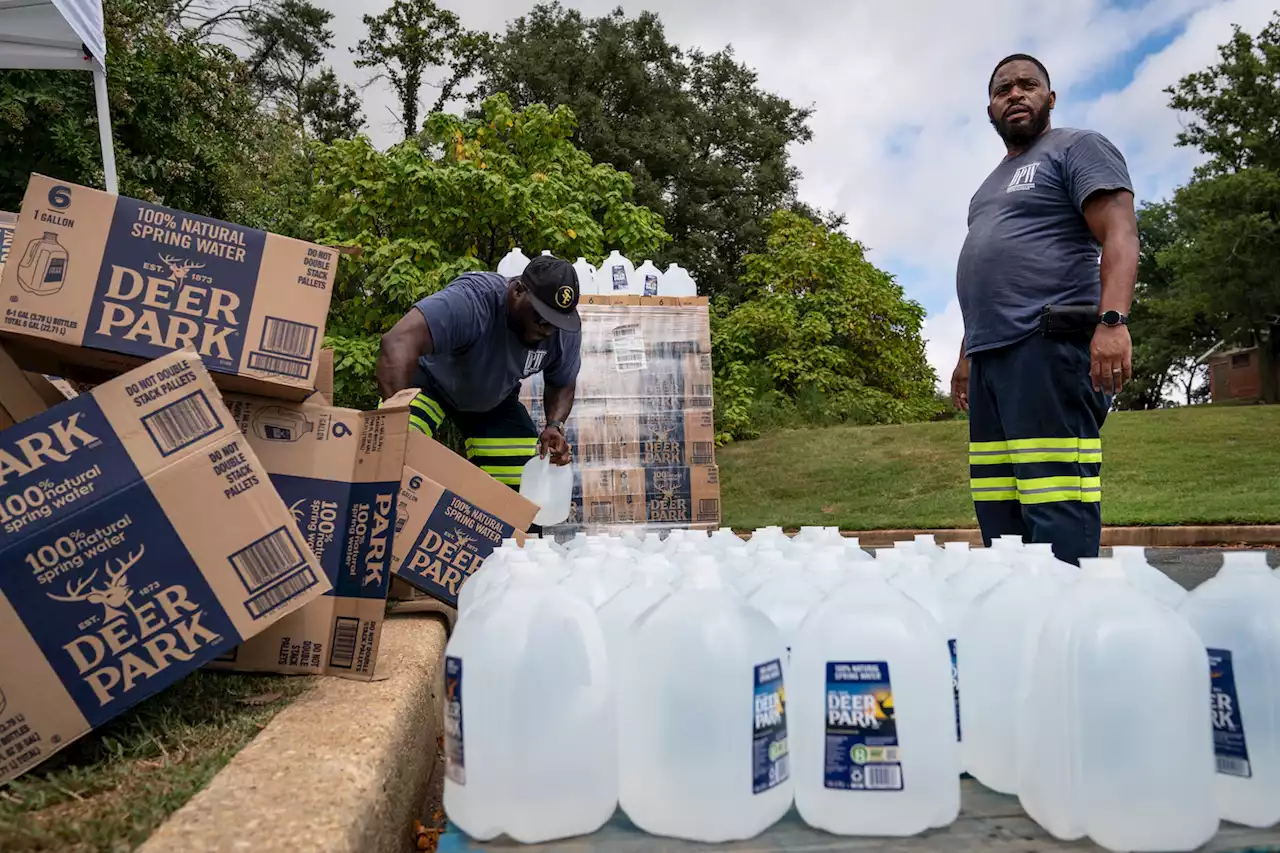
<point>97,274</point>
<point>139,538</point>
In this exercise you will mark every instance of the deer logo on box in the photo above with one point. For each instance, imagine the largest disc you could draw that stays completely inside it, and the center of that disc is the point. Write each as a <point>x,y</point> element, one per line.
<point>668,495</point>
<point>126,648</point>
<point>457,538</point>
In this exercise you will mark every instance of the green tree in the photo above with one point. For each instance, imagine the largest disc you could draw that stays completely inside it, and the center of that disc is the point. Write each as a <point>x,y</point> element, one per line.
<point>1226,264</point>
<point>410,39</point>
<point>283,45</point>
<point>455,200</point>
<point>187,129</point>
<point>1169,333</point>
<point>705,145</point>
<point>821,327</point>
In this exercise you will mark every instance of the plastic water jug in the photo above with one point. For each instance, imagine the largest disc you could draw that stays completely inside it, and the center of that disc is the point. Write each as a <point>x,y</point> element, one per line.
<point>853,549</point>
<point>927,545</point>
<point>43,268</point>
<point>617,277</point>
<point>1147,578</point>
<point>955,556</point>
<point>492,573</point>
<point>985,569</point>
<point>676,281</point>
<point>649,276</point>
<point>598,572</point>
<point>1064,572</point>
<point>827,568</point>
<point>691,666</point>
<point>997,633</point>
<point>650,584</point>
<point>513,263</point>
<point>872,730</point>
<point>549,486</point>
<point>786,598</point>
<point>1237,615</point>
<point>760,565</point>
<point>916,581</point>
<point>1114,734</point>
<point>586,277</point>
<point>889,560</point>
<point>530,729</point>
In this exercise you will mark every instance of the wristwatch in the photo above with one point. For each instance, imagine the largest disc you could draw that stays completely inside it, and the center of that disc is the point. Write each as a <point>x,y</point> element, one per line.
<point>558,425</point>
<point>1113,318</point>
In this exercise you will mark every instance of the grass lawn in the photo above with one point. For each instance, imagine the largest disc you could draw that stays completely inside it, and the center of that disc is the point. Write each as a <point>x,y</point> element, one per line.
<point>107,792</point>
<point>1198,465</point>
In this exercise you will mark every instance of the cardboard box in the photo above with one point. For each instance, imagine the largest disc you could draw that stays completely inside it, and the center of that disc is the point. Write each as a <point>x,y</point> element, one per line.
<point>141,539</point>
<point>23,395</point>
<point>678,439</point>
<point>677,496</point>
<point>338,471</point>
<point>8,225</point>
<point>324,375</point>
<point>101,283</point>
<point>450,517</point>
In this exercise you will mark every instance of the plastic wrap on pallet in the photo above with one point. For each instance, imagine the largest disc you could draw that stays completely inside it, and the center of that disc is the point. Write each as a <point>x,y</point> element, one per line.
<point>642,428</point>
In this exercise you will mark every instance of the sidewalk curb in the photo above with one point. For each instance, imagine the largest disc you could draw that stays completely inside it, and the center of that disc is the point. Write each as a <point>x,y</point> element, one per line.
<point>1205,536</point>
<point>344,769</point>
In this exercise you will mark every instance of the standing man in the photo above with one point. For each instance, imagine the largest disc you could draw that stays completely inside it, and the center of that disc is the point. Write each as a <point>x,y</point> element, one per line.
<point>468,347</point>
<point>1046,341</point>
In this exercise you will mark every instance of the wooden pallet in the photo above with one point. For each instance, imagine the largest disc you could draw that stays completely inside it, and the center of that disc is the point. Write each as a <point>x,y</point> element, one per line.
<point>988,823</point>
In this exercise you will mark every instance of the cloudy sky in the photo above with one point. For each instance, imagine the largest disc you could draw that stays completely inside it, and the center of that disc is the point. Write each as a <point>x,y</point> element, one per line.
<point>901,139</point>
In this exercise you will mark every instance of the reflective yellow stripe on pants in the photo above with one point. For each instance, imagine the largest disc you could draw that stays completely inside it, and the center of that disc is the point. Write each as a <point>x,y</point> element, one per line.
<point>1004,455</point>
<point>502,458</point>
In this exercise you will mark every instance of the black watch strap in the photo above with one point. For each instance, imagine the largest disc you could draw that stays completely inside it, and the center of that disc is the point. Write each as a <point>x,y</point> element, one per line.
<point>1113,318</point>
<point>558,425</point>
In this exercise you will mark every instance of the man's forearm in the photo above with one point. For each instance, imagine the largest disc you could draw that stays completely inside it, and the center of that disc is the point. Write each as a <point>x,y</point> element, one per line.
<point>398,353</point>
<point>558,402</point>
<point>1119,272</point>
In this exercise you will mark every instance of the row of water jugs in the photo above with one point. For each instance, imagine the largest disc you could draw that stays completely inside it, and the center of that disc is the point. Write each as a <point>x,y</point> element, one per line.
<point>622,670</point>
<point>616,276</point>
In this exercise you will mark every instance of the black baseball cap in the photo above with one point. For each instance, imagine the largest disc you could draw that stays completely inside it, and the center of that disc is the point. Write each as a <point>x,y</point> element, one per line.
<point>552,285</point>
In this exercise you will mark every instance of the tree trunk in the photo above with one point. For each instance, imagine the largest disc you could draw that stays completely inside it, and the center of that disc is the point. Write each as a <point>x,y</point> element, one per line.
<point>1269,355</point>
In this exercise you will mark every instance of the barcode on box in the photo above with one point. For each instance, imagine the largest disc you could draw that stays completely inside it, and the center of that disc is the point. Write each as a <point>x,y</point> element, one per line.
<point>267,560</point>
<point>280,594</point>
<point>286,337</point>
<point>883,777</point>
<point>592,454</point>
<point>601,512</point>
<point>709,509</point>
<point>346,630</point>
<point>1234,767</point>
<point>181,423</point>
<point>704,453</point>
<point>279,366</point>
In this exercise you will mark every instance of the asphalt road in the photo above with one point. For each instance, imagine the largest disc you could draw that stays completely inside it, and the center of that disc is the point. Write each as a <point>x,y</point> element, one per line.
<point>1192,566</point>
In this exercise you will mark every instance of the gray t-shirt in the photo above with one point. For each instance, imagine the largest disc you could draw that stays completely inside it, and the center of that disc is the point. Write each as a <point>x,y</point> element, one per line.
<point>478,361</point>
<point>1028,244</point>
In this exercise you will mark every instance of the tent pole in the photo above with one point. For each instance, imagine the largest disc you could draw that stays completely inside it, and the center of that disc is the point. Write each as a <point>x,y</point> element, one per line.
<point>104,130</point>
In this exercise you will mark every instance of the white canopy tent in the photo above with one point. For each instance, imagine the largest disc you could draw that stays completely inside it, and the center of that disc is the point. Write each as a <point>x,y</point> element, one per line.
<point>61,34</point>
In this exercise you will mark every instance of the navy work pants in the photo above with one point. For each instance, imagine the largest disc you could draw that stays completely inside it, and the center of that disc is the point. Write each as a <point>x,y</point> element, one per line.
<point>1035,454</point>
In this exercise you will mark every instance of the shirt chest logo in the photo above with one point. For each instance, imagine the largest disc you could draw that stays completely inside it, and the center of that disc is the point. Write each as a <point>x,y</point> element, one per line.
<point>533,361</point>
<point>1023,179</point>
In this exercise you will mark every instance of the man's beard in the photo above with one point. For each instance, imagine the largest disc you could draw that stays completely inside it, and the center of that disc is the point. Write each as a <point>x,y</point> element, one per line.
<point>1023,133</point>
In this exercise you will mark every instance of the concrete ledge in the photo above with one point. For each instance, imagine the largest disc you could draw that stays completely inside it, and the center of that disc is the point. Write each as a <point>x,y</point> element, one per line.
<point>1151,537</point>
<point>342,770</point>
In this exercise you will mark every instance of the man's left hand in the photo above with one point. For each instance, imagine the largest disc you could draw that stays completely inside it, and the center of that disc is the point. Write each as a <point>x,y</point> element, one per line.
<point>1111,358</point>
<point>553,441</point>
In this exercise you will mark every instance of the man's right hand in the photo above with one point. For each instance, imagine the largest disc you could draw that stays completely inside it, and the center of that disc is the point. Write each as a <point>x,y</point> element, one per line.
<point>960,385</point>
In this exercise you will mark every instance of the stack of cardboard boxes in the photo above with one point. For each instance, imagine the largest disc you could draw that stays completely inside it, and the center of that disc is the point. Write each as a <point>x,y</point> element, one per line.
<point>641,427</point>
<point>150,525</point>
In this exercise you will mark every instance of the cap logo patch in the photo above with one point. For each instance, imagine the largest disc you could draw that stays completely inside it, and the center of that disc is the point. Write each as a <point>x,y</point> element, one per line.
<point>564,296</point>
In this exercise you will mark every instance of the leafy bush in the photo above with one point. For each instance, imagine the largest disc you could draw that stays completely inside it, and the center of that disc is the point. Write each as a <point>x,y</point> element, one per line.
<point>823,337</point>
<point>456,199</point>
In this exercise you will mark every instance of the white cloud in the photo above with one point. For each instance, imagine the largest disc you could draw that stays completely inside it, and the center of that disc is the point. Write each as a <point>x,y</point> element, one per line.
<point>901,139</point>
<point>942,334</point>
